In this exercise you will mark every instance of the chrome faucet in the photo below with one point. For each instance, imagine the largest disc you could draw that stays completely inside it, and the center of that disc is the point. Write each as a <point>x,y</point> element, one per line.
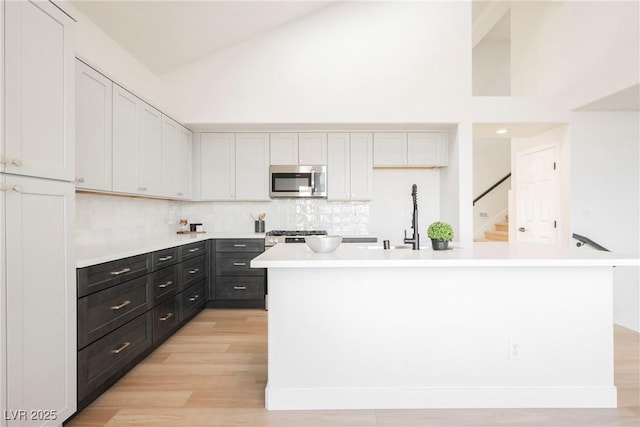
<point>415,239</point>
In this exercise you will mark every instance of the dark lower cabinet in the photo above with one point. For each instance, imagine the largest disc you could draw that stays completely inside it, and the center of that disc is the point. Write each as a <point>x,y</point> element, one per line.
<point>126,308</point>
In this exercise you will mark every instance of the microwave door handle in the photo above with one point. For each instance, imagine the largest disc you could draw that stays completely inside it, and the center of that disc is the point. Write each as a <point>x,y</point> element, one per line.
<point>313,183</point>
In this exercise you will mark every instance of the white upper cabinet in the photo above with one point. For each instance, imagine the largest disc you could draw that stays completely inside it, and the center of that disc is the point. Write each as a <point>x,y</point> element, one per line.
<point>427,148</point>
<point>252,166</point>
<point>298,149</point>
<point>350,166</point>
<point>361,166</point>
<point>184,163</point>
<point>390,149</point>
<point>413,149</point>
<point>136,145</point>
<point>284,148</point>
<point>312,148</point>
<point>216,166</point>
<point>93,129</point>
<point>169,158</point>
<point>39,91</point>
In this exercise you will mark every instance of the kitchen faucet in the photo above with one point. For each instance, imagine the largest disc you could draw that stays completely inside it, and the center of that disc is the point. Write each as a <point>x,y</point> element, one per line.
<point>415,240</point>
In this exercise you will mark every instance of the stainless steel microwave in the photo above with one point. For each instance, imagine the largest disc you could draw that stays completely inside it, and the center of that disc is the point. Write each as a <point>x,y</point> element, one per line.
<point>297,181</point>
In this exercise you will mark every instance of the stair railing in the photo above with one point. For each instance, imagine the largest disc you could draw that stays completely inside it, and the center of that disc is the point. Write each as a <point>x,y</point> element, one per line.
<point>490,189</point>
<point>582,240</point>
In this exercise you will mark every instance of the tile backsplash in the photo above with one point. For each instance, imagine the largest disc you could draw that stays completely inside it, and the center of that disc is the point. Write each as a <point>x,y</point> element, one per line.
<point>105,218</point>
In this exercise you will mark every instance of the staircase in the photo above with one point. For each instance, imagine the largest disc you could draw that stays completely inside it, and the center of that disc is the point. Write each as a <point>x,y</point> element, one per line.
<point>500,234</point>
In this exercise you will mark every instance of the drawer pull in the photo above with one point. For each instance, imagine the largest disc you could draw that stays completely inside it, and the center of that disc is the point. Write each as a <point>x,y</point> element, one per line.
<point>165,258</point>
<point>194,250</point>
<point>119,272</point>
<point>121,348</point>
<point>239,245</point>
<point>167,283</point>
<point>123,304</point>
<point>194,298</point>
<point>166,317</point>
<point>239,264</point>
<point>240,288</point>
<point>194,271</point>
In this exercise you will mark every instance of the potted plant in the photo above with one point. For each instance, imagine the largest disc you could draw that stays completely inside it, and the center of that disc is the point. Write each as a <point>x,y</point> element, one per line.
<point>440,234</point>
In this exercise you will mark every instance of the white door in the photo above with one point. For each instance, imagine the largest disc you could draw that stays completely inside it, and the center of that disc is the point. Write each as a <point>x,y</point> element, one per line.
<point>361,166</point>
<point>537,192</point>
<point>312,149</point>
<point>338,169</point>
<point>39,90</point>
<point>93,129</point>
<point>252,166</point>
<point>284,148</point>
<point>217,166</point>
<point>125,141</point>
<point>41,287</point>
<point>389,149</point>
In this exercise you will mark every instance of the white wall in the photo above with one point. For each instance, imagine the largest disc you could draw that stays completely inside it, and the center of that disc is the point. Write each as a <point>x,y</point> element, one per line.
<point>492,68</point>
<point>605,193</point>
<point>353,62</point>
<point>585,50</point>
<point>491,162</point>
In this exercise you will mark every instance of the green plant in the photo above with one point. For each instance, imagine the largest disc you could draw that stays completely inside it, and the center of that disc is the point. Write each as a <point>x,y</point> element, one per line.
<point>440,231</point>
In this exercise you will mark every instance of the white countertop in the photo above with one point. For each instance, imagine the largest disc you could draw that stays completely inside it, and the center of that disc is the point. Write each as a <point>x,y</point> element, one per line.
<point>105,252</point>
<point>477,255</point>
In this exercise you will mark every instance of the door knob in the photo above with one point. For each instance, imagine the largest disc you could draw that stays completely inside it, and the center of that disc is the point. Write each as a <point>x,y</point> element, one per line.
<point>521,229</point>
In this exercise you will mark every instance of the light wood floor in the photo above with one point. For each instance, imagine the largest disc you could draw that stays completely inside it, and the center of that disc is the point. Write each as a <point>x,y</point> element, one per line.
<point>214,370</point>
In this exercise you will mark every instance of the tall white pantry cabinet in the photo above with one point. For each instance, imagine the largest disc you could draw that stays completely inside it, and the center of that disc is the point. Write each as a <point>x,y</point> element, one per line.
<point>37,197</point>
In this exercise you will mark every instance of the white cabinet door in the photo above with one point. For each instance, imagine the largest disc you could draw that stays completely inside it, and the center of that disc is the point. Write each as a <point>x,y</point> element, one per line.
<point>39,91</point>
<point>338,166</point>
<point>93,129</point>
<point>125,141</point>
<point>39,270</point>
<point>252,166</point>
<point>361,166</point>
<point>184,163</point>
<point>427,148</point>
<point>217,166</point>
<point>284,148</point>
<point>169,158</point>
<point>149,142</point>
<point>389,149</point>
<point>312,149</point>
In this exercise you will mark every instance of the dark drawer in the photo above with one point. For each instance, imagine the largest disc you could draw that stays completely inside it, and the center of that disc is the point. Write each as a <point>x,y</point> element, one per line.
<point>193,271</point>
<point>101,276</point>
<point>166,282</point>
<point>193,250</point>
<point>240,245</point>
<point>231,264</point>
<point>165,319</point>
<point>104,311</point>
<point>165,257</point>
<point>106,357</point>
<point>249,287</point>
<point>192,299</point>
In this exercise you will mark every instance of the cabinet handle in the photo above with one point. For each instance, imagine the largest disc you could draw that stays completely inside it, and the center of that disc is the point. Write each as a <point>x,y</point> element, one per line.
<point>194,250</point>
<point>16,162</point>
<point>142,188</point>
<point>240,288</point>
<point>123,304</point>
<point>165,284</point>
<point>17,189</point>
<point>180,194</point>
<point>119,272</point>
<point>239,245</point>
<point>165,258</point>
<point>121,348</point>
<point>195,297</point>
<point>194,271</point>
<point>167,317</point>
<point>80,179</point>
<point>239,264</point>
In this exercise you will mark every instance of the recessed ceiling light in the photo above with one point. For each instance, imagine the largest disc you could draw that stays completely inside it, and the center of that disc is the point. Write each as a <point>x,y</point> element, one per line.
<point>502,131</point>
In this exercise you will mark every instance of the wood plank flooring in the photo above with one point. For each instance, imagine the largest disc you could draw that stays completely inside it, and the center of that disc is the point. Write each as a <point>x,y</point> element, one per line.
<point>214,370</point>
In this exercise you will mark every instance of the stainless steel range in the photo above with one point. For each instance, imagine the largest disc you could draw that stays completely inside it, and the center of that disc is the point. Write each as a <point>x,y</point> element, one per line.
<point>274,237</point>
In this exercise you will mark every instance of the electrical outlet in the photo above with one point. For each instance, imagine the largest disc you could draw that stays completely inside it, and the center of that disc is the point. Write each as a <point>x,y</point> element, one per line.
<point>515,349</point>
<point>484,215</point>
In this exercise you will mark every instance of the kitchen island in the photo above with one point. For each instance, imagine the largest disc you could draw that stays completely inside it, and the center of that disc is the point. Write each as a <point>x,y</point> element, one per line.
<point>493,325</point>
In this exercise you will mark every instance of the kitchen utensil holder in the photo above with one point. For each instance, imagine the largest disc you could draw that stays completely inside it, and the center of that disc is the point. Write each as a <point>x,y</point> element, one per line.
<point>259,226</point>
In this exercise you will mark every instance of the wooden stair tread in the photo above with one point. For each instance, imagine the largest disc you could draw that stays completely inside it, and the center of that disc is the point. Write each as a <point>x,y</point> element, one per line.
<point>502,236</point>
